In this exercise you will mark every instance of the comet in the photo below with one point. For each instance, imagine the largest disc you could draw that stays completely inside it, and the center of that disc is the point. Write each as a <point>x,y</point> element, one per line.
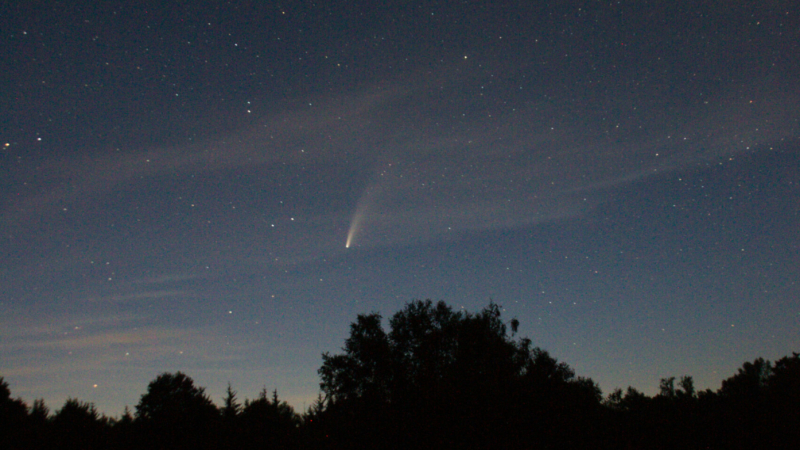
<point>367,198</point>
<point>354,226</point>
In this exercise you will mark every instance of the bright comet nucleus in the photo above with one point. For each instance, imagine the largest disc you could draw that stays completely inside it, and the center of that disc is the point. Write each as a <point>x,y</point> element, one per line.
<point>354,224</point>
<point>351,232</point>
<point>367,199</point>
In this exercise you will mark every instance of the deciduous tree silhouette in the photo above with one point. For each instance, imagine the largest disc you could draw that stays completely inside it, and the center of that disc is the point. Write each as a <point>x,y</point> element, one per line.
<point>445,379</point>
<point>784,392</point>
<point>686,387</point>
<point>438,379</point>
<point>174,413</point>
<point>749,382</point>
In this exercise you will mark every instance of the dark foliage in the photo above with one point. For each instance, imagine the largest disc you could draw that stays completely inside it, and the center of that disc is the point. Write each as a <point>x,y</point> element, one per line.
<point>269,423</point>
<point>445,379</point>
<point>438,379</point>
<point>78,425</point>
<point>13,415</point>
<point>176,414</point>
<point>758,408</point>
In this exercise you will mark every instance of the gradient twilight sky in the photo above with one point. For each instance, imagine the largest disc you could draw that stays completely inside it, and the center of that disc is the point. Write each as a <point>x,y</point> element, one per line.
<point>179,181</point>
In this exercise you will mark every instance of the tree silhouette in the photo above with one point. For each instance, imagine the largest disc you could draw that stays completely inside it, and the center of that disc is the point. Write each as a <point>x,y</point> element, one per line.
<point>40,413</point>
<point>13,415</point>
<point>268,422</point>
<point>174,413</point>
<point>437,379</point>
<point>230,406</point>
<point>686,387</point>
<point>123,432</point>
<point>78,425</point>
<point>749,382</point>
<point>364,369</point>
<point>441,378</point>
<point>784,394</point>
<point>667,388</point>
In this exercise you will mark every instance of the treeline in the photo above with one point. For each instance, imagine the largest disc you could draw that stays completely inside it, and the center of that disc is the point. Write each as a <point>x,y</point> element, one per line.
<point>440,379</point>
<point>172,414</point>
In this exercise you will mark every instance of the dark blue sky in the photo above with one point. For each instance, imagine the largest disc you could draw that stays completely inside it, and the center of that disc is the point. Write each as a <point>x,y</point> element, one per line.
<point>179,183</point>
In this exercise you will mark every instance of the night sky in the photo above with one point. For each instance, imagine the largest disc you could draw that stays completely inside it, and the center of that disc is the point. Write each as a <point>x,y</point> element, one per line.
<point>220,188</point>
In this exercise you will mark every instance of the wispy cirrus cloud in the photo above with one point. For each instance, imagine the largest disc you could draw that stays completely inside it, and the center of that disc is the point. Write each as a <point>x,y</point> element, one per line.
<point>416,169</point>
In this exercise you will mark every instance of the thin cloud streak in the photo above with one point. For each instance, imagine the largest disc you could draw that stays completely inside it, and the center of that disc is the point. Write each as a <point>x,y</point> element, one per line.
<point>415,172</point>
